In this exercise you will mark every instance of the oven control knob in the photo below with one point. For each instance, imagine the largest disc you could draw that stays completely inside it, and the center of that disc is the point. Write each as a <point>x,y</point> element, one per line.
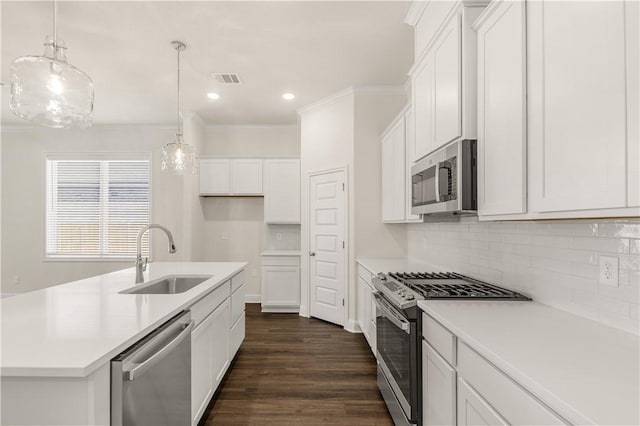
<point>410,297</point>
<point>381,276</point>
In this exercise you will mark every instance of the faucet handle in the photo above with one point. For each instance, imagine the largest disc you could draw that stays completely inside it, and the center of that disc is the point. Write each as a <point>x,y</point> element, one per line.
<point>144,265</point>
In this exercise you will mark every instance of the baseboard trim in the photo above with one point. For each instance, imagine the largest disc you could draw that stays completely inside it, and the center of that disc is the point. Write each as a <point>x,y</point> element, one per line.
<point>253,298</point>
<point>352,326</point>
<point>304,312</point>
<point>281,310</point>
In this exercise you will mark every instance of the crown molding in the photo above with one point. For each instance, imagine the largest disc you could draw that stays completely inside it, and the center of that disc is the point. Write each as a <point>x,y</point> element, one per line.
<point>251,126</point>
<point>352,90</point>
<point>415,12</point>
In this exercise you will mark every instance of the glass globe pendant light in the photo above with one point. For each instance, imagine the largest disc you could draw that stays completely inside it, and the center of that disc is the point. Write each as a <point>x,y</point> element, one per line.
<point>179,157</point>
<point>49,91</point>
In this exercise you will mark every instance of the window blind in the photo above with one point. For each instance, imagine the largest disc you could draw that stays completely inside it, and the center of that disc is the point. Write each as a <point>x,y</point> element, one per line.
<point>96,206</point>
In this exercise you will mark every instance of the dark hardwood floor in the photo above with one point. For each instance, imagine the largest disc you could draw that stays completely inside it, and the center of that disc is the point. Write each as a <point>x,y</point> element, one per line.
<point>292,370</point>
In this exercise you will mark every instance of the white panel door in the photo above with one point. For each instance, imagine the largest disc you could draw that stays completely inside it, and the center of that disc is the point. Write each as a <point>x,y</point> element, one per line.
<point>473,410</point>
<point>214,176</point>
<point>577,104</point>
<point>387,177</point>
<point>327,246</point>
<point>202,378</point>
<point>448,99</point>
<point>282,191</point>
<point>502,111</point>
<point>246,176</point>
<point>423,86</point>
<point>438,389</point>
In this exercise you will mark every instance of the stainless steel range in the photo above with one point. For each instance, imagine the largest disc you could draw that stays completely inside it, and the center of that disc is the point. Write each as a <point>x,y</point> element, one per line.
<point>399,330</point>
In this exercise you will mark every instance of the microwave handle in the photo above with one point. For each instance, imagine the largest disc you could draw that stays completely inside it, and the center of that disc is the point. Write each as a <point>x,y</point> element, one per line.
<point>438,182</point>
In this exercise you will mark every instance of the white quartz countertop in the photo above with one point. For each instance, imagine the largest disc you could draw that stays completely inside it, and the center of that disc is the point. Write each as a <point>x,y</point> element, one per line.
<point>585,371</point>
<point>69,330</point>
<point>280,253</point>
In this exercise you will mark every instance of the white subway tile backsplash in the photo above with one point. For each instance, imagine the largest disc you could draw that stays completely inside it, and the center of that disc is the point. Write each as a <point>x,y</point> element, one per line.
<point>555,263</point>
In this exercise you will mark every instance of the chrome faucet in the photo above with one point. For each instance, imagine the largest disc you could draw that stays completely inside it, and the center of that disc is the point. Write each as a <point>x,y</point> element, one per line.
<point>141,264</point>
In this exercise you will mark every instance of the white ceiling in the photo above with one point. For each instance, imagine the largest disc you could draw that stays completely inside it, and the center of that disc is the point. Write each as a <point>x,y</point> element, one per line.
<point>312,49</point>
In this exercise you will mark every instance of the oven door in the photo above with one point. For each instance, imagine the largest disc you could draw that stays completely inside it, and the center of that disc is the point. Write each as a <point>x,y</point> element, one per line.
<point>394,335</point>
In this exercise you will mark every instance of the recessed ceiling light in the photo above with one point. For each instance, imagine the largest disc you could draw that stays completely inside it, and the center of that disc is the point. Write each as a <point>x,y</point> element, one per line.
<point>288,96</point>
<point>213,95</point>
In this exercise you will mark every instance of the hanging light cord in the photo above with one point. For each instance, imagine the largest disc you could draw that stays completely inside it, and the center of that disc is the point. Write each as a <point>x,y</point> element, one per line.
<point>178,96</point>
<point>55,23</point>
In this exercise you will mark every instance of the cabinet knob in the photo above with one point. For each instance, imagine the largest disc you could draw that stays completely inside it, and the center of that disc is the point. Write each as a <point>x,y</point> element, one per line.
<point>312,253</point>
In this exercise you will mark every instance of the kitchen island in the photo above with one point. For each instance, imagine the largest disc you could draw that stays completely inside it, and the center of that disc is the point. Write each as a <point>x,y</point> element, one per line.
<point>57,343</point>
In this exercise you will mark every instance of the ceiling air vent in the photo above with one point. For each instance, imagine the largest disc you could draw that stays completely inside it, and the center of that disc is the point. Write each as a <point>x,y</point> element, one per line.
<point>227,78</point>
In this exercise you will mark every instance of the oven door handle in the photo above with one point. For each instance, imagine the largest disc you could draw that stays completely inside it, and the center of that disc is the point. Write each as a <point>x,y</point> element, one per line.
<point>391,314</point>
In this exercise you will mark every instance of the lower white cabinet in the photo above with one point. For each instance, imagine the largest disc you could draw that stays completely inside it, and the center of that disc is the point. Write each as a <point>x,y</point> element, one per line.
<point>366,307</point>
<point>202,378</point>
<point>439,389</point>
<point>280,283</point>
<point>221,339</point>
<point>473,410</point>
<point>237,320</point>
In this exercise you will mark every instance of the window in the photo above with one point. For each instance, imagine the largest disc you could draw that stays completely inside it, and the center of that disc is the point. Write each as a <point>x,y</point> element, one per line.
<point>96,205</point>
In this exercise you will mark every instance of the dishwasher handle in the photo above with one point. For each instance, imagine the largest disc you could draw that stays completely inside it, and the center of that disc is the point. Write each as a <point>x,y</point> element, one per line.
<point>139,369</point>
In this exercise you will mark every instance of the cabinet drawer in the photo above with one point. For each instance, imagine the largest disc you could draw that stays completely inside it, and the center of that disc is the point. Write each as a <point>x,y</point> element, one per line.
<point>512,402</point>
<point>237,280</point>
<point>207,304</point>
<point>365,274</point>
<point>281,260</point>
<point>237,304</point>
<point>237,335</point>
<point>441,339</point>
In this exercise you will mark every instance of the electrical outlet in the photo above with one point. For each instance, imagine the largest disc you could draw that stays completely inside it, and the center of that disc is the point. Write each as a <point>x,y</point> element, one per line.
<point>16,279</point>
<point>279,236</point>
<point>254,272</point>
<point>608,271</point>
<point>225,235</point>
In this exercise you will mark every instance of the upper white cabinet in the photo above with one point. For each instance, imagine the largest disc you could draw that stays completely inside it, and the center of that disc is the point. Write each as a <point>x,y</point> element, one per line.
<point>282,191</point>
<point>583,60</point>
<point>444,76</point>
<point>396,173</point>
<point>502,128</point>
<point>226,176</point>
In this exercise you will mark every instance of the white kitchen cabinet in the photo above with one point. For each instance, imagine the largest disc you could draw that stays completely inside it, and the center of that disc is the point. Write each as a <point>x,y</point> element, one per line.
<point>280,283</point>
<point>366,307</point>
<point>215,176</point>
<point>473,410</point>
<point>439,389</point>
<point>221,323</point>
<point>282,191</point>
<point>409,147</point>
<point>502,121</point>
<point>443,82</point>
<point>231,176</point>
<point>237,332</point>
<point>396,174</point>
<point>202,377</point>
<point>580,55</point>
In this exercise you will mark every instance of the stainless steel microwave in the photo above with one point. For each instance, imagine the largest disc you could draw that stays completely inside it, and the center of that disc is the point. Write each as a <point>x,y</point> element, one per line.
<point>444,182</point>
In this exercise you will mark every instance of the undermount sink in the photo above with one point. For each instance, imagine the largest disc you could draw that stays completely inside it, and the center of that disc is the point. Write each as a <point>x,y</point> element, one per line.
<point>171,284</point>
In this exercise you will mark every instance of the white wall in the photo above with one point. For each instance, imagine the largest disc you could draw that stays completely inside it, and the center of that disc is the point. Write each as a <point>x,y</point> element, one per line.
<point>556,263</point>
<point>344,130</point>
<point>23,193</point>
<point>242,218</point>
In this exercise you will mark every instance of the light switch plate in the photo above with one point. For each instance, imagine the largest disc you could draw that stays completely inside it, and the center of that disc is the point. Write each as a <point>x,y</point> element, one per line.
<point>608,274</point>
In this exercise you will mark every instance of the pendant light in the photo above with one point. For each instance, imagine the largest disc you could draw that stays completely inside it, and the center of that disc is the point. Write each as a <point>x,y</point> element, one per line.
<point>47,90</point>
<point>179,157</point>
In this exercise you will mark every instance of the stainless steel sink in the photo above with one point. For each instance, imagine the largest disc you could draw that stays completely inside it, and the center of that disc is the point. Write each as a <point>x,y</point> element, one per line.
<point>171,284</point>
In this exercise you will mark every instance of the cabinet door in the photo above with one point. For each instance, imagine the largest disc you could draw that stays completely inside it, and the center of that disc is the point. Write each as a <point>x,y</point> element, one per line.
<point>281,286</point>
<point>577,104</point>
<point>438,389</point>
<point>502,111</point>
<point>371,316</point>
<point>448,71</point>
<point>399,177</point>
<point>202,377</point>
<point>362,289</point>
<point>246,176</point>
<point>410,142</point>
<point>282,191</point>
<point>221,319</point>
<point>214,176</point>
<point>423,86</point>
<point>632,12</point>
<point>473,410</point>
<point>387,177</point>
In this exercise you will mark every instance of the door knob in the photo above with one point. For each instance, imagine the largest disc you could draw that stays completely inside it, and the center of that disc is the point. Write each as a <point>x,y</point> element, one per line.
<point>312,253</point>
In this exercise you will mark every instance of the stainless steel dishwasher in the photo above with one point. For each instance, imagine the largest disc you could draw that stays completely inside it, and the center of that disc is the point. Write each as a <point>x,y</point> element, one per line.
<point>151,381</point>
